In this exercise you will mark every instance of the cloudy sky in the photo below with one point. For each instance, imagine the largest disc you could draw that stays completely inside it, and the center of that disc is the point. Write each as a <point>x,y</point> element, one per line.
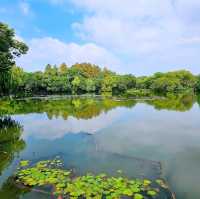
<point>127,36</point>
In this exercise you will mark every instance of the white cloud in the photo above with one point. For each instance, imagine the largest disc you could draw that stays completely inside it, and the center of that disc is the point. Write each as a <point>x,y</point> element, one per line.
<point>24,7</point>
<point>53,51</point>
<point>189,10</point>
<point>127,8</point>
<point>146,32</point>
<point>130,26</point>
<point>128,36</point>
<point>190,40</point>
<point>147,35</point>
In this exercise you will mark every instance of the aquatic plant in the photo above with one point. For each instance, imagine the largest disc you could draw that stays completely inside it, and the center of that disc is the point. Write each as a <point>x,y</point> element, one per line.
<point>24,163</point>
<point>64,183</point>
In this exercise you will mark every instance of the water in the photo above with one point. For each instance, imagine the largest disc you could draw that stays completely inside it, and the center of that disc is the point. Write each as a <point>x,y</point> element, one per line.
<point>144,138</point>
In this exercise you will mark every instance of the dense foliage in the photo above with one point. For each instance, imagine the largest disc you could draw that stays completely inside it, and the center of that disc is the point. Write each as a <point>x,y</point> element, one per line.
<point>87,78</point>
<point>77,79</point>
<point>10,48</point>
<point>169,82</point>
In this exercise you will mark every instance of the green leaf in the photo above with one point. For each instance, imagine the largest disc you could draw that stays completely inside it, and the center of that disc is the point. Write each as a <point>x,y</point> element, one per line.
<point>24,163</point>
<point>138,196</point>
<point>151,193</point>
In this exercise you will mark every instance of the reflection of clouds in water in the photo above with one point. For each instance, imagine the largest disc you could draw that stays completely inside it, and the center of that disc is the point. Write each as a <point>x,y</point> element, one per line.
<point>183,173</point>
<point>157,133</point>
<point>39,126</point>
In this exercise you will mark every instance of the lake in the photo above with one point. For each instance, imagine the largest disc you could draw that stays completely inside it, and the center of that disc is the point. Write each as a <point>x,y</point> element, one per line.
<point>154,138</point>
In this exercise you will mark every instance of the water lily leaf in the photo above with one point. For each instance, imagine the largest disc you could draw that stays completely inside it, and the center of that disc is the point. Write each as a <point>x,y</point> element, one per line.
<point>146,182</point>
<point>24,163</point>
<point>152,193</point>
<point>138,196</point>
<point>128,192</point>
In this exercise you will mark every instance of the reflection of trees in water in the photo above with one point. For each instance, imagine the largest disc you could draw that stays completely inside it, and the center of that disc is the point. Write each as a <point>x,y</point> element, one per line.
<point>10,141</point>
<point>9,190</point>
<point>174,102</point>
<point>81,108</point>
<point>87,108</point>
<point>198,99</point>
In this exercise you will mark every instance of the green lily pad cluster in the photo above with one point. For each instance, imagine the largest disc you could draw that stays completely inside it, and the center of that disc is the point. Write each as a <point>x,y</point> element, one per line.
<point>87,186</point>
<point>43,173</point>
<point>91,186</point>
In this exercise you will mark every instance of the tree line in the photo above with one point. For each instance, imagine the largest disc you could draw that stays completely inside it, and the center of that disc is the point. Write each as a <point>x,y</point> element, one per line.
<point>81,78</point>
<point>77,79</point>
<point>88,78</point>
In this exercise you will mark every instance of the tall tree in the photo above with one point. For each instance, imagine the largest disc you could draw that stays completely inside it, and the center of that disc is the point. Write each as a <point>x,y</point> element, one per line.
<point>63,69</point>
<point>10,48</point>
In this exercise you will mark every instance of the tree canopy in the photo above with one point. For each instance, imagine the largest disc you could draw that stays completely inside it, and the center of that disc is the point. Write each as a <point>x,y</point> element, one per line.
<point>10,48</point>
<point>78,79</point>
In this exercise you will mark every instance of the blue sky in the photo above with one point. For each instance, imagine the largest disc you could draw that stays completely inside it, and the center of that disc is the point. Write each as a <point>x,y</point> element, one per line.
<point>139,37</point>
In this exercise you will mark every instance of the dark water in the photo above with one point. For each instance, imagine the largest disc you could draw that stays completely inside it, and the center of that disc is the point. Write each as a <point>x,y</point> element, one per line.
<point>152,138</point>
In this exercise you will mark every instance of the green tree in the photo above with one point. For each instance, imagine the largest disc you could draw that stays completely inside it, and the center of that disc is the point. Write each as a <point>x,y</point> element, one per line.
<point>10,48</point>
<point>18,79</point>
<point>165,84</point>
<point>87,70</point>
<point>176,81</point>
<point>63,69</point>
<point>90,85</point>
<point>75,85</point>
<point>198,83</point>
<point>122,83</point>
<point>108,83</point>
<point>34,83</point>
<point>48,69</point>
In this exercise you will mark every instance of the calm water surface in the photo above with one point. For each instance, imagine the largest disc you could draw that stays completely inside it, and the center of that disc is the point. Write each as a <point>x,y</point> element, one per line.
<point>152,138</point>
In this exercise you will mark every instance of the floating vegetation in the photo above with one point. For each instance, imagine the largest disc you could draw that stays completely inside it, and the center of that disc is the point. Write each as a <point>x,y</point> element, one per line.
<point>64,182</point>
<point>24,163</point>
